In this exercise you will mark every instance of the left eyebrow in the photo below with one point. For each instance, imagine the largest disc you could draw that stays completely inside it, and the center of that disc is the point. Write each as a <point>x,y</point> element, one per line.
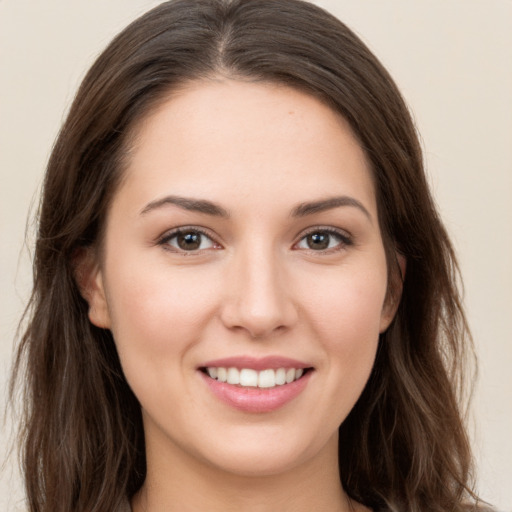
<point>310,208</point>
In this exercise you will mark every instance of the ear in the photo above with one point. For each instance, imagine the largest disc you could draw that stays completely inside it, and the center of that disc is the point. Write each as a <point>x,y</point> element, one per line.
<point>89,279</point>
<point>394,293</point>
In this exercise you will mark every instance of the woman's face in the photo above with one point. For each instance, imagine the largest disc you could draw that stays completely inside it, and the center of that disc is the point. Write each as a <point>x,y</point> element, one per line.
<point>243,243</point>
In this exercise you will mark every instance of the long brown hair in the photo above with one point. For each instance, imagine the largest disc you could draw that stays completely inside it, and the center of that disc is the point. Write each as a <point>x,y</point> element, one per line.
<point>403,447</point>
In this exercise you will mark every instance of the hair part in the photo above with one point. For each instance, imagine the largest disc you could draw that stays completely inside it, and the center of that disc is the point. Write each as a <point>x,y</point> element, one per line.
<point>403,446</point>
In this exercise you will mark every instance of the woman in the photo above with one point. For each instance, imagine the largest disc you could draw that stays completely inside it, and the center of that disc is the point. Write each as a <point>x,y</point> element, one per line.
<point>243,294</point>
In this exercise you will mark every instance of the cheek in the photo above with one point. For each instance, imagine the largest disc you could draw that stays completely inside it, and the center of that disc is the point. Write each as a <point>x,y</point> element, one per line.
<point>158,310</point>
<point>348,302</point>
<point>158,317</point>
<point>345,315</point>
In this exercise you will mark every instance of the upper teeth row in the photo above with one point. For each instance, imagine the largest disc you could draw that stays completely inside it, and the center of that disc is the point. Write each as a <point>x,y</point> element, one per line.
<point>248,377</point>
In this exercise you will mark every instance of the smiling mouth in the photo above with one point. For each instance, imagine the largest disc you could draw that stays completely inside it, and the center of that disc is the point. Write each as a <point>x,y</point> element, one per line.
<point>250,378</point>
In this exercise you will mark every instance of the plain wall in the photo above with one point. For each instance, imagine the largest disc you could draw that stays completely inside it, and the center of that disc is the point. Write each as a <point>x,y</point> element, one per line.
<point>453,61</point>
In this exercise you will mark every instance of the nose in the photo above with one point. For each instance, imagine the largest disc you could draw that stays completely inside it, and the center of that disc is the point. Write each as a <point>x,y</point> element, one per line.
<point>258,297</point>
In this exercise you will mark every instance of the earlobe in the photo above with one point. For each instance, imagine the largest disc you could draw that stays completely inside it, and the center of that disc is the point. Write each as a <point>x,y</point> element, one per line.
<point>394,293</point>
<point>89,278</point>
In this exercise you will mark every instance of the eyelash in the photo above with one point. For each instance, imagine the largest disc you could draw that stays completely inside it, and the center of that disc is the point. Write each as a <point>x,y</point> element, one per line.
<point>165,239</point>
<point>344,239</point>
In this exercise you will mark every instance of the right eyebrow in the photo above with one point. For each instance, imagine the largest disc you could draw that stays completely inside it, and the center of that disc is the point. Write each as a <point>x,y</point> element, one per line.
<point>186,203</point>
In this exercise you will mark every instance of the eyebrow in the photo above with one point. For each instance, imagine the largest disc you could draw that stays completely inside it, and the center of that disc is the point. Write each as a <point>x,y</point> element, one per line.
<point>329,203</point>
<point>193,205</point>
<point>210,208</point>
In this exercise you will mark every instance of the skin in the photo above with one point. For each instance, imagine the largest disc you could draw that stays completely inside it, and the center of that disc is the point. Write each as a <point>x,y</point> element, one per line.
<point>254,287</point>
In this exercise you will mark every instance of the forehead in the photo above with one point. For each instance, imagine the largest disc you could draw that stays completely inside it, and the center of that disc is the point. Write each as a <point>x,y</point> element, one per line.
<point>255,139</point>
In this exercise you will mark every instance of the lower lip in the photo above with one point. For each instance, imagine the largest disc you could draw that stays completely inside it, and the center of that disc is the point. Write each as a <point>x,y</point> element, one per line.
<point>257,400</point>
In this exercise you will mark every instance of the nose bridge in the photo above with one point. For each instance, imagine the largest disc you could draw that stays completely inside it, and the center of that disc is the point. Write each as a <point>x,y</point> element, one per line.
<point>258,300</point>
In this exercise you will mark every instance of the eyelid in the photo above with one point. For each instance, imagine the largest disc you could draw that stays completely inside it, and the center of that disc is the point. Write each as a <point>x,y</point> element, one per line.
<point>346,239</point>
<point>171,233</point>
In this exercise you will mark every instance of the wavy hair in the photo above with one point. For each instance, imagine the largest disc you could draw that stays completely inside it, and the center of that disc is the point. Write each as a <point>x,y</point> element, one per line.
<point>403,447</point>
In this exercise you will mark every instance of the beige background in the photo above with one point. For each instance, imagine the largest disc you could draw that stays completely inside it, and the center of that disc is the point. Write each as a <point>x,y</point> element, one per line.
<point>453,61</point>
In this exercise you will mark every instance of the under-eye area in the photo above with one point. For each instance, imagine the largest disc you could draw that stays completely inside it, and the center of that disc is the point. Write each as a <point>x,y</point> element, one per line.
<point>248,377</point>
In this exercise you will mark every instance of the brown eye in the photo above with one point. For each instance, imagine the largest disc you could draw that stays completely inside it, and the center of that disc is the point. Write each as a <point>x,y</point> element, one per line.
<point>189,240</point>
<point>318,241</point>
<point>324,240</point>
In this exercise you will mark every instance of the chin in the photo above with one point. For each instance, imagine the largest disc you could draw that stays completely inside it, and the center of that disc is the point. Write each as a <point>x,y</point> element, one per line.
<point>270,456</point>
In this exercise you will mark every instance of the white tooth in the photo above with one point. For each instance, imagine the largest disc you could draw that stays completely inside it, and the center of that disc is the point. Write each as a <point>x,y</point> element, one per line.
<point>222,374</point>
<point>248,377</point>
<point>233,376</point>
<point>212,372</point>
<point>298,373</point>
<point>267,379</point>
<point>280,376</point>
<point>290,375</point>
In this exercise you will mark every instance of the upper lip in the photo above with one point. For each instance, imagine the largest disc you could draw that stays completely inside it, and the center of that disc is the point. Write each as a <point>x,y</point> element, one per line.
<point>256,363</point>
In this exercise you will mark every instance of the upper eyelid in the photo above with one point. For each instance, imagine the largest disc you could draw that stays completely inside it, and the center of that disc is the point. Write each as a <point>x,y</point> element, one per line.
<point>171,233</point>
<point>329,229</point>
<point>183,229</point>
<point>346,239</point>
